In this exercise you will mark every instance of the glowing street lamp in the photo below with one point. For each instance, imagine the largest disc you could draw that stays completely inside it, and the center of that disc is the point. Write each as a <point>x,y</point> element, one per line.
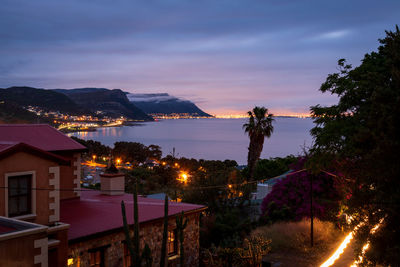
<point>183,177</point>
<point>118,161</point>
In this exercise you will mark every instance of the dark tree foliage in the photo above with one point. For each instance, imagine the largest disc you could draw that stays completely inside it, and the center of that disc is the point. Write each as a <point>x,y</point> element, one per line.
<point>155,180</point>
<point>258,127</point>
<point>267,168</point>
<point>94,147</point>
<point>135,152</point>
<point>227,220</point>
<point>209,186</point>
<point>362,135</point>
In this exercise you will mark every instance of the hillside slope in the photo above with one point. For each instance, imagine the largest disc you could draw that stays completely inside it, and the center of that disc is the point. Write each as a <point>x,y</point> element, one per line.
<point>45,99</point>
<point>165,104</point>
<point>113,103</point>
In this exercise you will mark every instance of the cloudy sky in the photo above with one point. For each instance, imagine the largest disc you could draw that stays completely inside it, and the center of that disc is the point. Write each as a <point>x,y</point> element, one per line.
<point>225,55</point>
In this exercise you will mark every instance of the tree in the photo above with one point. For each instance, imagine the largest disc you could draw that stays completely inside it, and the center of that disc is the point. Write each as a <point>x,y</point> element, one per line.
<point>360,135</point>
<point>94,147</point>
<point>258,127</point>
<point>267,168</point>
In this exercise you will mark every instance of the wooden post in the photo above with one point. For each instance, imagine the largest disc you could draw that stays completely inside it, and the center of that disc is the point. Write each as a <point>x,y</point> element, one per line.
<point>311,211</point>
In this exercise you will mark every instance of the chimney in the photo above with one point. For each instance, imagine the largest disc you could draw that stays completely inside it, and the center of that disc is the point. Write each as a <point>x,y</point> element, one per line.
<point>112,183</point>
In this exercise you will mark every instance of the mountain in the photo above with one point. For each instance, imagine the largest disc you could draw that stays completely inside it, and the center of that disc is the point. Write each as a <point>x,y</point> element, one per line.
<point>88,101</point>
<point>80,90</point>
<point>45,99</point>
<point>165,104</point>
<point>13,113</point>
<point>113,103</point>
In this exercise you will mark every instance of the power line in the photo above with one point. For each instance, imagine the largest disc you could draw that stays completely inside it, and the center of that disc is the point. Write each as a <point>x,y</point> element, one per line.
<point>230,186</point>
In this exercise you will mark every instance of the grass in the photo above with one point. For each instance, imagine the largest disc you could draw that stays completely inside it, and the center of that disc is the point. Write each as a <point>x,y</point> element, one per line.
<point>291,241</point>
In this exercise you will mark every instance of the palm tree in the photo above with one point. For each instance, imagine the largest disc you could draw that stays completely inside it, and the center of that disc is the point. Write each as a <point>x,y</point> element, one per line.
<point>258,127</point>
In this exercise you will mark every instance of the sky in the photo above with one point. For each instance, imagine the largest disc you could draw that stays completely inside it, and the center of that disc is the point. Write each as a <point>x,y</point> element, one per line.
<point>227,56</point>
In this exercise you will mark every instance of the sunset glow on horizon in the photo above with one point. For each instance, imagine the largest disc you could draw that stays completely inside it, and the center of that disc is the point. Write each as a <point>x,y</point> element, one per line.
<point>225,57</point>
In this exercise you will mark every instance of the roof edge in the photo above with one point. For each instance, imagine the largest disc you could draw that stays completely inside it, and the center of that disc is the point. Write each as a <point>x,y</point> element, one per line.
<point>22,147</point>
<point>118,229</point>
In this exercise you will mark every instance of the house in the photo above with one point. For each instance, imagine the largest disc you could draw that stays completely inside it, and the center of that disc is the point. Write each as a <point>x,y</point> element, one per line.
<point>46,219</point>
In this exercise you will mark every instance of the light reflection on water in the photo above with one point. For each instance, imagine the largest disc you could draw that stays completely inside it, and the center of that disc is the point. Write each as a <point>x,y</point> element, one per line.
<point>209,138</point>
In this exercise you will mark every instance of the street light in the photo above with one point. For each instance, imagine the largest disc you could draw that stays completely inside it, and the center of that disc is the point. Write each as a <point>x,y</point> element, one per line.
<point>183,177</point>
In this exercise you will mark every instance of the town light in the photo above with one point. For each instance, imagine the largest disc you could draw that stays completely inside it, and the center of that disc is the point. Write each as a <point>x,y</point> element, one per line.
<point>183,177</point>
<point>118,161</point>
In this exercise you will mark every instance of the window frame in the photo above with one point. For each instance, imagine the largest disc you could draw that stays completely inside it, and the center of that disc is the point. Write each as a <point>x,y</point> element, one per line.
<point>127,255</point>
<point>32,193</point>
<point>102,251</point>
<point>174,243</point>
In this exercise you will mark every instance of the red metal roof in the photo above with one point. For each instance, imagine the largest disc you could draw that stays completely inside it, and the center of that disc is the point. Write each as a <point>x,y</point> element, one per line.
<point>5,229</point>
<point>94,213</point>
<point>42,136</point>
<point>9,149</point>
<point>6,146</point>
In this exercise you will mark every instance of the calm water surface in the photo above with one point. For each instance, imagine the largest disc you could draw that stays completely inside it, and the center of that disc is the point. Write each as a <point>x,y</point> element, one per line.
<point>217,139</point>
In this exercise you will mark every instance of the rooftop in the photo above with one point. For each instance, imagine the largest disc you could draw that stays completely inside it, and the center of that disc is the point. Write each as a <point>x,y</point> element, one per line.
<point>95,213</point>
<point>42,136</point>
<point>11,228</point>
<point>8,148</point>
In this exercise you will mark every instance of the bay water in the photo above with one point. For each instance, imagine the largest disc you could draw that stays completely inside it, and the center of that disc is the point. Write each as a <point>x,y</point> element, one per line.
<point>210,139</point>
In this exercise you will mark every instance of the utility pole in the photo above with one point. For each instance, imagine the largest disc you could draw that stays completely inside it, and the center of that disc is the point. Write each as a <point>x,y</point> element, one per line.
<point>311,211</point>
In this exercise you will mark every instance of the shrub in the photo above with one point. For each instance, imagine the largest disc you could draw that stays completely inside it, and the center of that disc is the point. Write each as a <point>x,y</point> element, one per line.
<point>290,197</point>
<point>296,235</point>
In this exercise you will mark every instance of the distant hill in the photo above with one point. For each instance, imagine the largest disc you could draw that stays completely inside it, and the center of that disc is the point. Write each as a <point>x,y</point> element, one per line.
<point>45,99</point>
<point>13,113</point>
<point>80,90</point>
<point>166,104</point>
<point>113,103</point>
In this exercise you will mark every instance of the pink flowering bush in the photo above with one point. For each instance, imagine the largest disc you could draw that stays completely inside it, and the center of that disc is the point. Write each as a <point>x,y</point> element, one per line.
<point>290,197</point>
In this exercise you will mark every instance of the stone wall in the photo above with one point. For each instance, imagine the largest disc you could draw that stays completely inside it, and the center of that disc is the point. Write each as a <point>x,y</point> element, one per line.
<point>150,233</point>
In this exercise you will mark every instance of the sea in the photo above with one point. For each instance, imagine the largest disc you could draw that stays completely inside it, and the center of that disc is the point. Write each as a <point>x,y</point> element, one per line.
<point>210,139</point>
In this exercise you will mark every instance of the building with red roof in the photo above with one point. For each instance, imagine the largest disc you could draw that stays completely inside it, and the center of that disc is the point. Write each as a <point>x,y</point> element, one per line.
<point>45,213</point>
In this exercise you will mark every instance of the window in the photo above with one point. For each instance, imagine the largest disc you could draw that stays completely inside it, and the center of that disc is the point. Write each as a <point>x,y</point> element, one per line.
<point>19,195</point>
<point>127,256</point>
<point>96,257</point>
<point>172,244</point>
<point>73,262</point>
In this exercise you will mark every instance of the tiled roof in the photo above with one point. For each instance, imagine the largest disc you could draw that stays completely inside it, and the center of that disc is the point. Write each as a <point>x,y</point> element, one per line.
<point>42,136</point>
<point>94,213</point>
